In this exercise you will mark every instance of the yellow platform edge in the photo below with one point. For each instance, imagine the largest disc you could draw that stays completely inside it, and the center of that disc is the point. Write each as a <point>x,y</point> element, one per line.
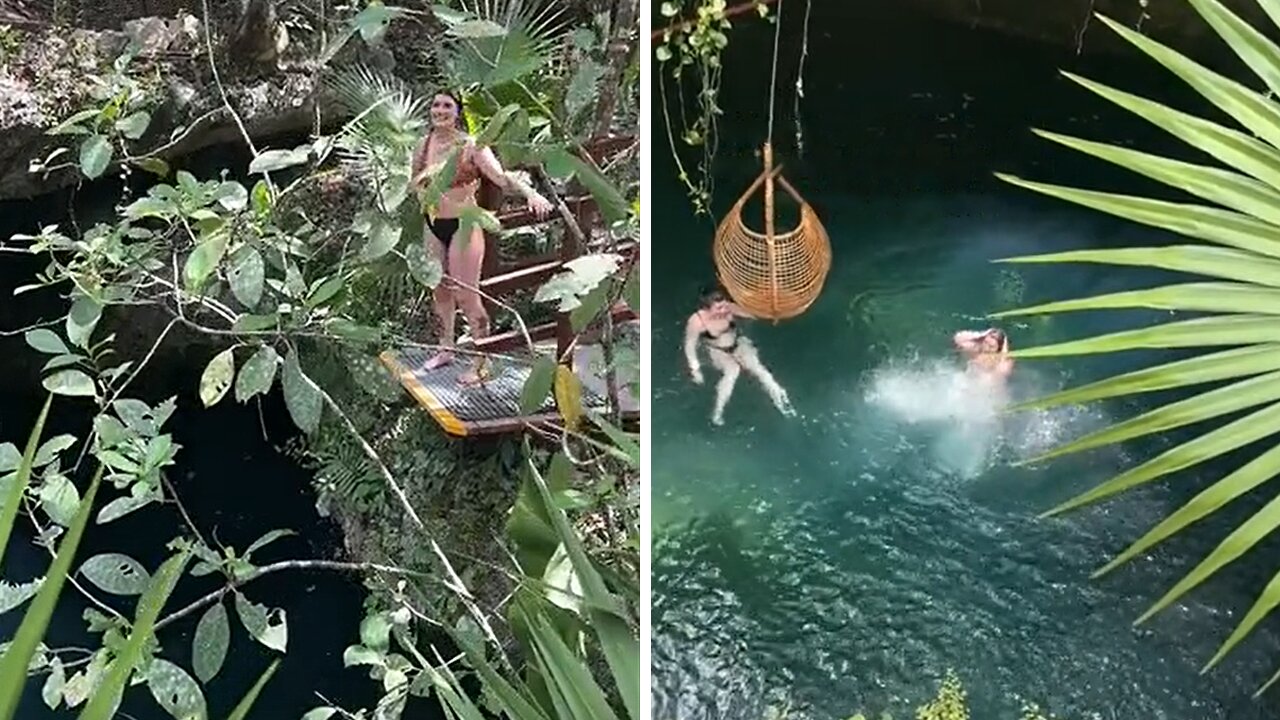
<point>447,420</point>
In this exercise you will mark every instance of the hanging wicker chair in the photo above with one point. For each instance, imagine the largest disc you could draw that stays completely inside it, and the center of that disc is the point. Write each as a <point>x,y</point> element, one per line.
<point>771,275</point>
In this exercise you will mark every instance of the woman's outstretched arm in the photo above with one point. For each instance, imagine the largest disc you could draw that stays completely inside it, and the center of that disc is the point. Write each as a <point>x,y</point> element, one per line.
<point>492,169</point>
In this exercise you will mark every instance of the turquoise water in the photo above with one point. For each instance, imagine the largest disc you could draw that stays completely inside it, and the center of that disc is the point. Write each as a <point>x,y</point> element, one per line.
<point>844,559</point>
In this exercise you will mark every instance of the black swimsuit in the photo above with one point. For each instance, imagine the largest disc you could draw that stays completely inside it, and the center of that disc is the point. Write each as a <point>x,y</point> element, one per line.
<point>706,334</point>
<point>443,228</point>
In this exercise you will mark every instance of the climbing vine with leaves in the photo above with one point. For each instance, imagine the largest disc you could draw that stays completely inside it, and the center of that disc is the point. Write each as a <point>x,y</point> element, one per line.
<point>281,284</point>
<point>690,51</point>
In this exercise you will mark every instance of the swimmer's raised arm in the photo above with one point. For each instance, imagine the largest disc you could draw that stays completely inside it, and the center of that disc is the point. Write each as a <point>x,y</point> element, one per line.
<point>692,329</point>
<point>965,339</point>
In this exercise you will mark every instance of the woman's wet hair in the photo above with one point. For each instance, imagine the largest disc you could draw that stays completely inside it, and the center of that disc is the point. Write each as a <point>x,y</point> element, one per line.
<point>712,295</point>
<point>998,334</point>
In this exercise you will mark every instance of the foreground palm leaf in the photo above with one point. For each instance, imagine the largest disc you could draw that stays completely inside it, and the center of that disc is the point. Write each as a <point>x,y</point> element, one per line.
<point>1238,307</point>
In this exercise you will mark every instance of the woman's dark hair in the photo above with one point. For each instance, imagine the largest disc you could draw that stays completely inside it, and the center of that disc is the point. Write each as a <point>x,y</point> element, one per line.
<point>712,295</point>
<point>998,334</point>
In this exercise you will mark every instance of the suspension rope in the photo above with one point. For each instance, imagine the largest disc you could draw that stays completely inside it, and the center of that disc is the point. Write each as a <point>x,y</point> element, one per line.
<point>773,80</point>
<point>804,53</point>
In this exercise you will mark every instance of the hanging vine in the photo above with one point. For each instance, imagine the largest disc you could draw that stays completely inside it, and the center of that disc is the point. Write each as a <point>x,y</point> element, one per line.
<point>692,49</point>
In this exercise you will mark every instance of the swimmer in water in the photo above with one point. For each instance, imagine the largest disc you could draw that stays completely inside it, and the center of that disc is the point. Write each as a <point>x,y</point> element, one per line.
<point>730,352</point>
<point>987,351</point>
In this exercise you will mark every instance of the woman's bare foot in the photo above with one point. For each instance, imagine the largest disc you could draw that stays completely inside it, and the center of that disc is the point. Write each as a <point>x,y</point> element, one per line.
<point>475,375</point>
<point>440,359</point>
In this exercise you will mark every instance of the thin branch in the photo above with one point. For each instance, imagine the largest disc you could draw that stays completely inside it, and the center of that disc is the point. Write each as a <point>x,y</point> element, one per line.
<point>29,328</point>
<point>221,592</point>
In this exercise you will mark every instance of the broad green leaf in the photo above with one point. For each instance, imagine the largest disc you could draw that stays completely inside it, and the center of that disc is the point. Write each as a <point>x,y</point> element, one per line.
<point>320,713</point>
<point>1201,332</point>
<point>18,486</point>
<point>612,205</point>
<point>12,596</point>
<point>592,303</point>
<point>562,585</point>
<point>46,341</point>
<point>1214,403</point>
<point>70,382</point>
<point>217,376</point>
<point>209,646</point>
<point>1201,222</point>
<point>260,198</point>
<point>570,675</point>
<point>581,276</point>
<point>383,238</point>
<point>122,506</point>
<point>116,573</point>
<point>95,156</point>
<point>10,458</point>
<point>423,266</point>
<point>630,449</point>
<point>134,125</point>
<point>176,691</point>
<point>375,632</point>
<point>304,402</point>
<point>559,163</point>
<point>17,658</point>
<point>1218,297</point>
<point>106,698</point>
<point>568,392</point>
<point>51,448</point>
<point>257,374</point>
<point>360,655</point>
<point>154,165</point>
<point>246,274</point>
<point>477,28</point>
<point>267,627</point>
<point>493,129</point>
<point>83,318</point>
<point>582,87</point>
<point>204,260</point>
<point>538,385</point>
<point>325,291</point>
<point>272,160</point>
<point>65,127</point>
<point>59,499</point>
<point>1230,147</point>
<point>255,323</point>
<point>231,195</point>
<point>241,711</point>
<point>61,361</point>
<point>1226,438</point>
<point>149,207</point>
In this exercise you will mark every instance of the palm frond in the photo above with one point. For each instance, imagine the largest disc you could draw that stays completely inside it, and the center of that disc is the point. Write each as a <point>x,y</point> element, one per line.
<point>1242,225</point>
<point>388,119</point>
<point>531,33</point>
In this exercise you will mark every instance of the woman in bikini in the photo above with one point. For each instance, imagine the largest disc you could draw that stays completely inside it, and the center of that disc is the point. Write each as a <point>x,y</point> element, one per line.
<point>987,352</point>
<point>461,257</point>
<point>713,324</point>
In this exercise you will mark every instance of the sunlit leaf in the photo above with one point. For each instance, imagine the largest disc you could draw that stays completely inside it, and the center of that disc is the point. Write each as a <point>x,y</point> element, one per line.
<point>70,382</point>
<point>257,374</point>
<point>116,573</point>
<point>210,643</point>
<point>46,341</point>
<point>538,385</point>
<point>83,318</point>
<point>176,691</point>
<point>12,596</point>
<point>246,274</point>
<point>95,156</point>
<point>568,392</point>
<point>217,377</point>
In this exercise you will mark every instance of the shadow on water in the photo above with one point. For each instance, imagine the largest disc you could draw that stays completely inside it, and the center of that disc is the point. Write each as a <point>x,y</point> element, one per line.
<point>845,559</point>
<point>234,481</point>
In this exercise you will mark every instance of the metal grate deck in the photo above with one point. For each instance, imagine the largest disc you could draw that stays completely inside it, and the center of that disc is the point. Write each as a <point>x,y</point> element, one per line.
<point>490,407</point>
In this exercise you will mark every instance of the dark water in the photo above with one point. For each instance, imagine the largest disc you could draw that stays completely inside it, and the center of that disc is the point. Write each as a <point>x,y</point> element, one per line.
<point>843,560</point>
<point>235,484</point>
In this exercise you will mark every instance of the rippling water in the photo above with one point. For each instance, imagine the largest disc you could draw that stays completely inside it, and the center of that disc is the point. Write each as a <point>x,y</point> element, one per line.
<point>843,560</point>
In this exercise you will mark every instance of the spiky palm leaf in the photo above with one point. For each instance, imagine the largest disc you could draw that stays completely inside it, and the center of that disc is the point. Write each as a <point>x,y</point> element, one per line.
<point>388,119</point>
<point>1240,303</point>
<point>494,42</point>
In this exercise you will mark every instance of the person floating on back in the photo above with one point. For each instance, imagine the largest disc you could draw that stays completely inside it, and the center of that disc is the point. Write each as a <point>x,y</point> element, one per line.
<point>730,352</point>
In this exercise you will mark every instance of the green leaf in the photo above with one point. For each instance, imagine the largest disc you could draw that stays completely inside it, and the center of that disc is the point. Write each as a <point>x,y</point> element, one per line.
<point>231,195</point>
<point>592,303</point>
<point>257,374</point>
<point>65,127</point>
<point>325,291</point>
<point>83,318</point>
<point>559,163</point>
<point>106,698</point>
<point>477,28</point>
<point>255,323</point>
<point>624,442</point>
<point>268,538</point>
<point>538,385</point>
<point>1217,297</point>
<point>241,711</point>
<point>17,658</point>
<point>61,361</point>
<point>269,628</point>
<point>46,341</point>
<point>273,160</point>
<point>1215,262</point>
<point>149,207</point>
<point>320,713</point>
<point>1202,332</point>
<point>246,275</point>
<point>10,458</point>
<point>383,238</point>
<point>134,125</point>
<point>52,447</point>
<point>209,646</point>
<point>95,155</point>
<point>375,632</point>
<point>176,691</point>
<point>581,276</point>
<point>304,402</point>
<point>51,691</point>
<point>122,506</point>
<point>217,376</point>
<point>70,382</point>
<point>493,129</point>
<point>569,676</point>
<point>612,205</point>
<point>154,165</point>
<point>360,655</point>
<point>1224,439</point>
<point>59,499</point>
<point>116,573</point>
<point>582,87</point>
<point>631,290</point>
<point>204,259</point>
<point>260,198</point>
<point>1259,53</point>
<point>423,266</point>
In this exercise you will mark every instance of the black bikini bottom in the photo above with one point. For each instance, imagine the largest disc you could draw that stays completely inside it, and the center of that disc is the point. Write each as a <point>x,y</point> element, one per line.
<point>443,228</point>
